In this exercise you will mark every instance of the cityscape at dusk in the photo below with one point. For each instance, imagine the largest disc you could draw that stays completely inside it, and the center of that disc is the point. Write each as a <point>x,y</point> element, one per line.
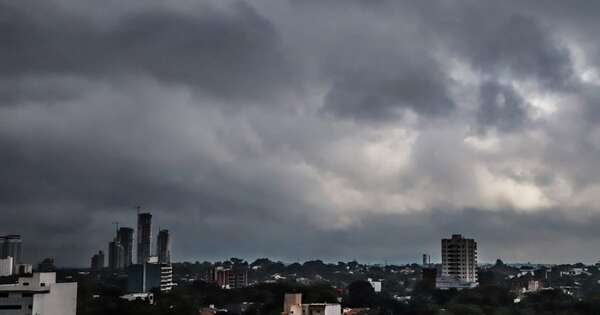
<point>299,157</point>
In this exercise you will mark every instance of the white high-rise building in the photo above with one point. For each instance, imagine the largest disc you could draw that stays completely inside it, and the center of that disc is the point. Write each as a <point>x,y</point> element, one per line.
<point>39,295</point>
<point>459,263</point>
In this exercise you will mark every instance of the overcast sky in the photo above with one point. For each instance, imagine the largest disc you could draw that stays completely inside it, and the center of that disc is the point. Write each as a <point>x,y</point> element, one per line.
<point>302,129</point>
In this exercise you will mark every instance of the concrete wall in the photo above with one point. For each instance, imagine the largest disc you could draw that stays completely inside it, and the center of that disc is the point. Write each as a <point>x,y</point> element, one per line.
<point>62,300</point>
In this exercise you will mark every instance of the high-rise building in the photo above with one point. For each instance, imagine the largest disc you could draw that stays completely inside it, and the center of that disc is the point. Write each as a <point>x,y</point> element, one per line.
<point>10,246</point>
<point>144,237</point>
<point>98,261</point>
<point>163,247</point>
<point>115,255</point>
<point>459,262</point>
<point>125,237</point>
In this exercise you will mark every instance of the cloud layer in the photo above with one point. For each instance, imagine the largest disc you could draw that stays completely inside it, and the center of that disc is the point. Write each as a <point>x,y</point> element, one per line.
<point>302,129</point>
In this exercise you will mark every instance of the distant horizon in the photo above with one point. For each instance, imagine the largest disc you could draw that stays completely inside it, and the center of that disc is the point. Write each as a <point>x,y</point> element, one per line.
<point>287,263</point>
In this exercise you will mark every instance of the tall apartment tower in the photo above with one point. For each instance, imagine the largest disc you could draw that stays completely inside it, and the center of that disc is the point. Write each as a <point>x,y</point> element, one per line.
<point>125,237</point>
<point>459,259</point>
<point>116,255</point>
<point>163,247</point>
<point>144,237</point>
<point>10,246</point>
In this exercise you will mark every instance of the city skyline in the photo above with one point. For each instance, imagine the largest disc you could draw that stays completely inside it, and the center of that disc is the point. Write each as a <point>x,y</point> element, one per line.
<point>299,130</point>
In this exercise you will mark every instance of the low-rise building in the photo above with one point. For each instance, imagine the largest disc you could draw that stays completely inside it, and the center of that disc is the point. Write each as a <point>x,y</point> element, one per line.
<point>375,284</point>
<point>39,295</point>
<point>292,305</point>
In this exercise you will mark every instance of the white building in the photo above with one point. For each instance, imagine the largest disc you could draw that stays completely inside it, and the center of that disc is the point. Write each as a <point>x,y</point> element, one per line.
<point>292,305</point>
<point>459,263</point>
<point>375,284</point>
<point>38,295</point>
<point>6,266</point>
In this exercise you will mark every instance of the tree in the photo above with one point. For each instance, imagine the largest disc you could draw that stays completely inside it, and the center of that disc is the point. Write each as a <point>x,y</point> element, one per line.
<point>361,294</point>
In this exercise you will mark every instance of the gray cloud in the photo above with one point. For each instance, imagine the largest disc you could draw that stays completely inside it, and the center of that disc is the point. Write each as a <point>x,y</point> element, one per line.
<point>501,107</point>
<point>298,130</point>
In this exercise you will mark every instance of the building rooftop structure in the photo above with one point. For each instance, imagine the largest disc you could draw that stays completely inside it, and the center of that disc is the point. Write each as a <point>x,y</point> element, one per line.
<point>38,294</point>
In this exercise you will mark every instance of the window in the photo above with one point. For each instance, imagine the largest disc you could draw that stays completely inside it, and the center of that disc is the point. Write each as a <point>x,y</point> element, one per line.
<point>27,294</point>
<point>3,294</point>
<point>42,284</point>
<point>25,283</point>
<point>10,307</point>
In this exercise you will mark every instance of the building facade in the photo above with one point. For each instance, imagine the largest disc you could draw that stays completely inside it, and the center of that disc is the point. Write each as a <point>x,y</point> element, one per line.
<point>116,255</point>
<point>292,305</point>
<point>125,237</point>
<point>38,295</point>
<point>163,247</point>
<point>143,278</point>
<point>459,262</point>
<point>228,277</point>
<point>144,237</point>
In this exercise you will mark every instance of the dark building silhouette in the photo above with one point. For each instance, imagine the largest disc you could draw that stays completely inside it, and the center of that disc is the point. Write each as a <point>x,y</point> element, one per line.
<point>10,246</point>
<point>98,261</point>
<point>125,238</point>
<point>163,247</point>
<point>144,237</point>
<point>115,255</point>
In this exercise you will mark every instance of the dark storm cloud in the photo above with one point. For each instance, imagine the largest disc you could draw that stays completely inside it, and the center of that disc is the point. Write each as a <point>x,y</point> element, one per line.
<point>363,94</point>
<point>232,54</point>
<point>501,40</point>
<point>521,46</point>
<point>107,106</point>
